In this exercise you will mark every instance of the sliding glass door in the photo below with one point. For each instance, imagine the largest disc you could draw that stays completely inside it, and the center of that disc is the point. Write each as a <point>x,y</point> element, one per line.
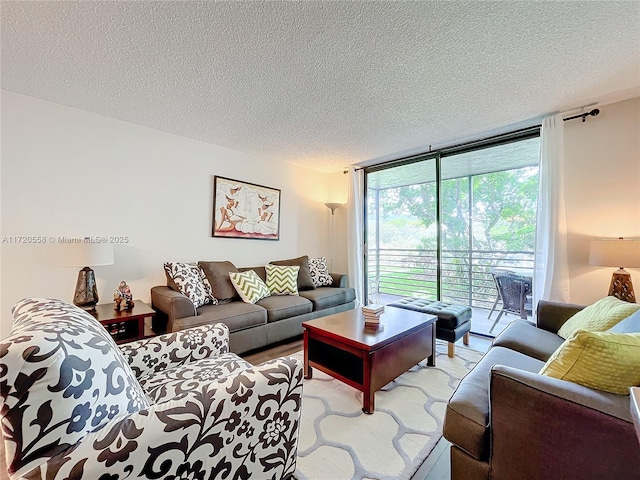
<point>401,224</point>
<point>437,225</point>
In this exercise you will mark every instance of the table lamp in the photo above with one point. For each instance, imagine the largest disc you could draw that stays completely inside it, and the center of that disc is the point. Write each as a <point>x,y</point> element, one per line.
<point>82,255</point>
<point>617,253</point>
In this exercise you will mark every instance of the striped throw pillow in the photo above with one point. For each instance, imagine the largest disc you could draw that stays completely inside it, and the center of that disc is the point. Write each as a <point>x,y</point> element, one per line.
<point>282,280</point>
<point>249,286</point>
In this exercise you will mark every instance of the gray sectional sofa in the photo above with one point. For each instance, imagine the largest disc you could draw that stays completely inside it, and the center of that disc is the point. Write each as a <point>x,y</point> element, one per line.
<point>251,326</point>
<point>506,421</point>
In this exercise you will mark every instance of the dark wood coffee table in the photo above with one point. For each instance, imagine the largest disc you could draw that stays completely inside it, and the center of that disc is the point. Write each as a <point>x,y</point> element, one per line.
<point>367,358</point>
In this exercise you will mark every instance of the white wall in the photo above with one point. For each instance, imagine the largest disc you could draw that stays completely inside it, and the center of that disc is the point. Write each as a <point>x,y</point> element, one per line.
<point>68,172</point>
<point>602,192</point>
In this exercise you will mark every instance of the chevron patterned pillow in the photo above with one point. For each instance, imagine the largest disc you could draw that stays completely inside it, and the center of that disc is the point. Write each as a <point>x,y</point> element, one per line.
<point>282,280</point>
<point>249,286</point>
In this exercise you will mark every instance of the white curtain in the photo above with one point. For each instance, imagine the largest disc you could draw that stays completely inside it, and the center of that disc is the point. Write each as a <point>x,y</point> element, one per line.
<point>355,228</point>
<point>551,266</point>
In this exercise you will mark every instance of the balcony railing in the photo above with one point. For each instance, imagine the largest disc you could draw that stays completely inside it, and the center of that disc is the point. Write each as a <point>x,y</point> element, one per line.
<point>466,274</point>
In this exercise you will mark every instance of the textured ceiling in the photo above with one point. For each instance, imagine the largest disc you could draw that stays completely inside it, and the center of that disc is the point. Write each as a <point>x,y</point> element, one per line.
<point>323,84</point>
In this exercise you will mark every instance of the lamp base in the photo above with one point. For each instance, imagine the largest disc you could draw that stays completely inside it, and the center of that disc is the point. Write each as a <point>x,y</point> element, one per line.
<point>621,286</point>
<point>86,294</point>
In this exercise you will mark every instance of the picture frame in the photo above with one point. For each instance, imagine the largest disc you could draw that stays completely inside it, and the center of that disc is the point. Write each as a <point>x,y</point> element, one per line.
<point>245,210</point>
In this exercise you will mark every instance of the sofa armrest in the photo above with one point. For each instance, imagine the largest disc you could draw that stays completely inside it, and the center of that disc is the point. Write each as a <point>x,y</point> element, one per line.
<point>558,429</point>
<point>243,426</point>
<point>340,280</point>
<point>173,304</point>
<point>155,354</point>
<point>552,315</point>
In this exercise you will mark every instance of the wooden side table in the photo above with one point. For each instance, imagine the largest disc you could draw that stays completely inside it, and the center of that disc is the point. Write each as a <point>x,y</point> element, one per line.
<point>125,325</point>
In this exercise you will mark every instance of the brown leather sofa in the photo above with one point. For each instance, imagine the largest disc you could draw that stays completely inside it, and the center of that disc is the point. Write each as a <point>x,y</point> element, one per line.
<point>251,326</point>
<point>505,421</point>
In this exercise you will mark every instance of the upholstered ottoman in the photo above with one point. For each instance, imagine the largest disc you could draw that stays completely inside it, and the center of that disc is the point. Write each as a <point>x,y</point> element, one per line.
<point>454,321</point>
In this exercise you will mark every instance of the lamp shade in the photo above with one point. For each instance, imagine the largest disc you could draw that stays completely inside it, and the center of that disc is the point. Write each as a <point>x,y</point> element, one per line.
<point>615,253</point>
<point>86,254</point>
<point>333,206</point>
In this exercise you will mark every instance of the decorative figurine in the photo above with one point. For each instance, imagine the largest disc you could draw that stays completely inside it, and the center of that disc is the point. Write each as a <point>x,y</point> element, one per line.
<point>123,297</point>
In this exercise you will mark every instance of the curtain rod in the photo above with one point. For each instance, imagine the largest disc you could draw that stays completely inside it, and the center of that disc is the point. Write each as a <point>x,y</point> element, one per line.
<point>460,146</point>
<point>584,116</point>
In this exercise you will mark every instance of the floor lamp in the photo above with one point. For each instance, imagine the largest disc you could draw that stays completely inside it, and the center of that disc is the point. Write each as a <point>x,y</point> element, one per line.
<point>617,253</point>
<point>332,237</point>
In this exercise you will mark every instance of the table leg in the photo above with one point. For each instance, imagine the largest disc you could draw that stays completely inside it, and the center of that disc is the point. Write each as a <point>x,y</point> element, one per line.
<point>431,360</point>
<point>307,369</point>
<point>368,402</point>
<point>368,392</point>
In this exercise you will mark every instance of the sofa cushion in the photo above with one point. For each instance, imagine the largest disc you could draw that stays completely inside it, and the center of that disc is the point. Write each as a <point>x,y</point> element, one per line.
<point>62,377</point>
<point>602,360</point>
<point>467,415</point>
<point>284,306</point>
<point>631,324</point>
<point>282,279</point>
<point>172,382</point>
<point>236,315</point>
<point>600,316</point>
<point>261,271</point>
<point>305,282</point>
<point>191,282</point>
<point>249,286</point>
<point>524,337</point>
<point>218,275</point>
<point>327,297</point>
<point>319,272</point>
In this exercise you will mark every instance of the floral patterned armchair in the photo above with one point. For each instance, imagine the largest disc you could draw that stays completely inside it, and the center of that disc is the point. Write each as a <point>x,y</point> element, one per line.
<point>75,405</point>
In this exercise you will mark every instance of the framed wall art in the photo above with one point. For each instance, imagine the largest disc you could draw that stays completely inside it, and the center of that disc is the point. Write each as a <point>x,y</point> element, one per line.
<point>245,210</point>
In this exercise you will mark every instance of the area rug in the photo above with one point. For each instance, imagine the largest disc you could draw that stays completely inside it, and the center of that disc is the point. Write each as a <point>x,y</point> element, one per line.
<point>339,441</point>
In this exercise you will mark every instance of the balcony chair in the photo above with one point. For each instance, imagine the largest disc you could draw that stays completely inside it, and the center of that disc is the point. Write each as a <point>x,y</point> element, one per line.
<point>515,293</point>
<point>494,272</point>
<point>75,405</point>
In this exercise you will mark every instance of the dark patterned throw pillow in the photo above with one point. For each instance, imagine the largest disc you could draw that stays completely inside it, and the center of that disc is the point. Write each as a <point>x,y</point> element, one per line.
<point>319,272</point>
<point>191,281</point>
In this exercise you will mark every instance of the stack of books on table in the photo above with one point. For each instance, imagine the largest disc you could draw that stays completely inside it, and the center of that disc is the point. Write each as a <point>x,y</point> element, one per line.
<point>372,314</point>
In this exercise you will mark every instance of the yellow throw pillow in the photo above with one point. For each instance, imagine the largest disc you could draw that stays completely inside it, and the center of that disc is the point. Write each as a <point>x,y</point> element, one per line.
<point>598,317</point>
<point>603,360</point>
